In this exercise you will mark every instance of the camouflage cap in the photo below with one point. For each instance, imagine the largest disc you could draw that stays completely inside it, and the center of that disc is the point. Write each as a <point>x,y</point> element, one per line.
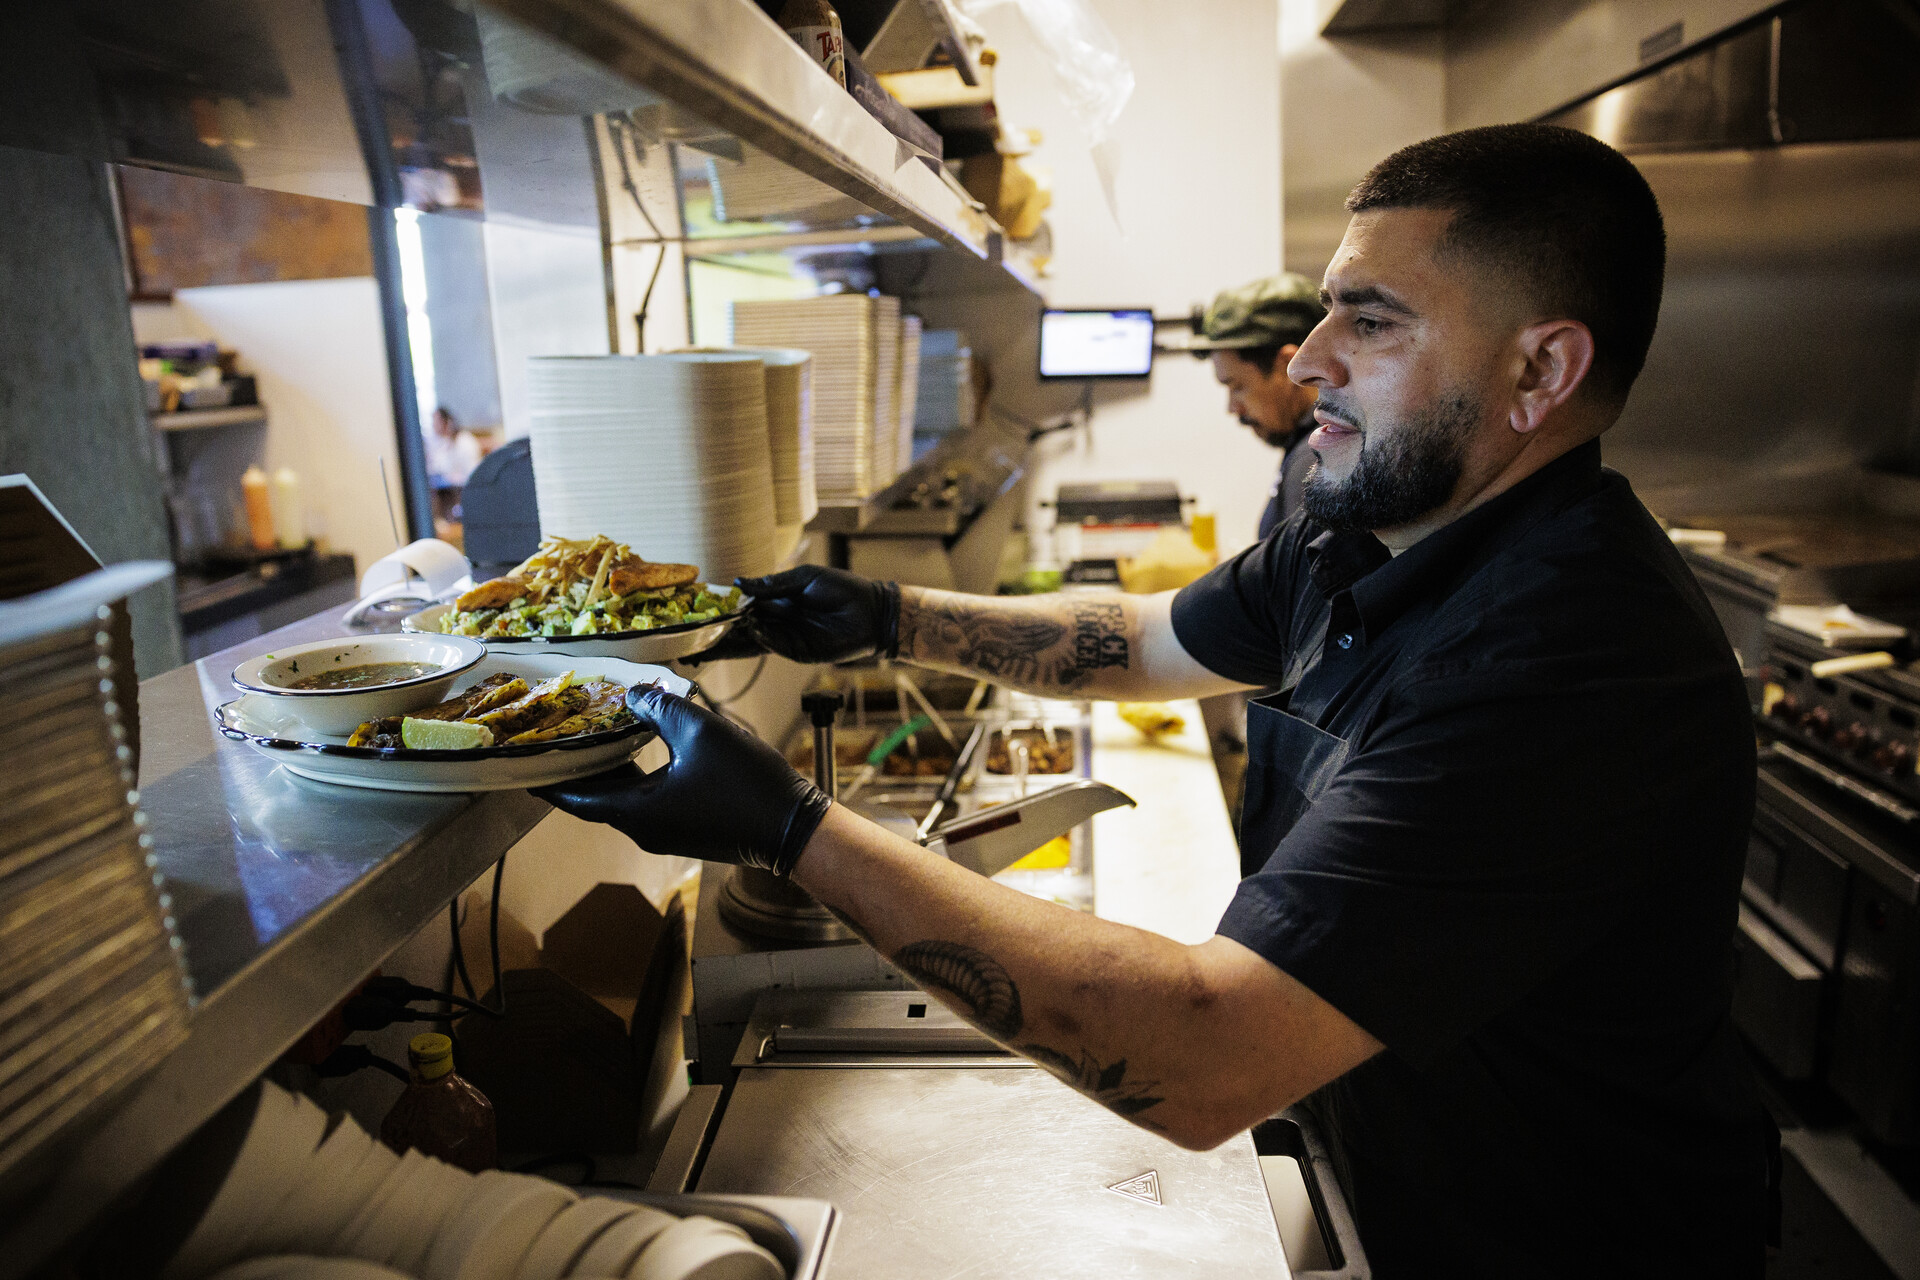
<point>1271,312</point>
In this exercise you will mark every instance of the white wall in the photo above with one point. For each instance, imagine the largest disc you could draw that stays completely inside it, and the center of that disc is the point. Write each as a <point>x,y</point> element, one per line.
<point>316,347</point>
<point>1199,210</point>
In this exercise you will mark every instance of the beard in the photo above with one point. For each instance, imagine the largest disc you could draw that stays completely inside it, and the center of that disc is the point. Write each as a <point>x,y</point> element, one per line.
<point>1400,477</point>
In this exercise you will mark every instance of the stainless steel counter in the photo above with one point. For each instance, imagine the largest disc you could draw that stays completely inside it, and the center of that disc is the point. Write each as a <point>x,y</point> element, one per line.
<point>287,893</point>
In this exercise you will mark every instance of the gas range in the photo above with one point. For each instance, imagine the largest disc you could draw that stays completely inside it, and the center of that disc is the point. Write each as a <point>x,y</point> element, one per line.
<point>1859,731</point>
<point>1828,944</point>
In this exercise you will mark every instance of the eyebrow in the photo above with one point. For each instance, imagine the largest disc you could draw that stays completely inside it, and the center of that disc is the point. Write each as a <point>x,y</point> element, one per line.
<point>1366,296</point>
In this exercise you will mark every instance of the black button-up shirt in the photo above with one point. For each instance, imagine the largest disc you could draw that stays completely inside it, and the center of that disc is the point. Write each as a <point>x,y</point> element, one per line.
<point>1522,879</point>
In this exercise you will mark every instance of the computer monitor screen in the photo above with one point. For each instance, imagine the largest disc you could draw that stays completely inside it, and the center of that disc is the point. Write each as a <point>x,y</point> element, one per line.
<point>1096,344</point>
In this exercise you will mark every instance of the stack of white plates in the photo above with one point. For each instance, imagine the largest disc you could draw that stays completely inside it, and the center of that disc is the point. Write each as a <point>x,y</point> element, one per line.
<point>92,989</point>
<point>300,1203</point>
<point>668,454</point>
<point>855,342</point>
<point>886,391</point>
<point>909,396</point>
<point>789,434</point>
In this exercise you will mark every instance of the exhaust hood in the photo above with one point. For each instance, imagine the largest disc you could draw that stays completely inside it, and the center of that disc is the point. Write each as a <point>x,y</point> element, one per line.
<point>1812,71</point>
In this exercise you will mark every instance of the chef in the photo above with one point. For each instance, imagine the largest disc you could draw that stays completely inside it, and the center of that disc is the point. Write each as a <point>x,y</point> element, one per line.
<point>1250,334</point>
<point>1503,787</point>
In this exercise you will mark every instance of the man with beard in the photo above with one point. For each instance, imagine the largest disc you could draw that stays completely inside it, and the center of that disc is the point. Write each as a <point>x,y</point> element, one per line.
<point>1249,334</point>
<point>1497,808</point>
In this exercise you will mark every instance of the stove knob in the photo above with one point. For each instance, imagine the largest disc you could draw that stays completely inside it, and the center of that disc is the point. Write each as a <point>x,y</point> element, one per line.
<point>1818,722</point>
<point>1850,737</point>
<point>1893,757</point>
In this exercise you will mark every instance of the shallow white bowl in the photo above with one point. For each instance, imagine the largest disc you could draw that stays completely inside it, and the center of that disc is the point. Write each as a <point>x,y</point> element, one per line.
<point>341,711</point>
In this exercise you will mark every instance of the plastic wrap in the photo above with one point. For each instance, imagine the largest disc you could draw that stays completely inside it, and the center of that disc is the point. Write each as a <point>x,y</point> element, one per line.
<point>1094,73</point>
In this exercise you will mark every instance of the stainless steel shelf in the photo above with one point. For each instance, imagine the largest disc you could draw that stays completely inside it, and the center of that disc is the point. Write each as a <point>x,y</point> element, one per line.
<point>288,893</point>
<point>194,419</point>
<point>727,62</point>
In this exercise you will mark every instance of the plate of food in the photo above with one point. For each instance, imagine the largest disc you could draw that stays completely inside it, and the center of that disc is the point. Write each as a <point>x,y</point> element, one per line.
<point>591,596</point>
<point>512,720</point>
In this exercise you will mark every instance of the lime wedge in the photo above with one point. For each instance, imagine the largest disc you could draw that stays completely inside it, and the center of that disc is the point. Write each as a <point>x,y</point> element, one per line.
<point>444,735</point>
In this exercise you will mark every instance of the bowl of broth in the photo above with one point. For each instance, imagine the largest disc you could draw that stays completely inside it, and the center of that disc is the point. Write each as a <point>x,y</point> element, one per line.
<point>333,686</point>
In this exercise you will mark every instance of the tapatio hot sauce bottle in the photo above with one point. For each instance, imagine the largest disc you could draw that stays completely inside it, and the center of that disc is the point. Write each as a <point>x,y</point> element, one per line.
<point>441,1114</point>
<point>815,27</point>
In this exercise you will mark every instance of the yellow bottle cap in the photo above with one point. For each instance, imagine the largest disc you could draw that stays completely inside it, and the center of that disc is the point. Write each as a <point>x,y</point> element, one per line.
<point>431,1053</point>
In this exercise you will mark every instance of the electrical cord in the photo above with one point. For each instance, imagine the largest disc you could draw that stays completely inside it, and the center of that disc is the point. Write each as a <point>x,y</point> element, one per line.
<point>386,1000</point>
<point>459,954</point>
<point>625,136</point>
<point>499,1006</point>
<point>349,1058</point>
<point>744,689</point>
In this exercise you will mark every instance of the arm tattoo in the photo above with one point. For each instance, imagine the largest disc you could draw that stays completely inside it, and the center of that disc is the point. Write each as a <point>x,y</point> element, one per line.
<point>1106,1085</point>
<point>972,977</point>
<point>992,1001</point>
<point>1057,646</point>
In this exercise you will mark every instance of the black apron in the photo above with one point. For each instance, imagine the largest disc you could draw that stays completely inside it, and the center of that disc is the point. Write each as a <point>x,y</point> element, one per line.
<point>1289,764</point>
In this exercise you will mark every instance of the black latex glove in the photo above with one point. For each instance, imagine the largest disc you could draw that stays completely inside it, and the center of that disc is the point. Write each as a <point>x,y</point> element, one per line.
<point>726,796</point>
<point>811,614</point>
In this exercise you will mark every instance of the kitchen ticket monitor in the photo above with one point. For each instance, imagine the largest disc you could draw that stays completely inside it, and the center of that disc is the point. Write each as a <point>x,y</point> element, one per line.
<point>1077,344</point>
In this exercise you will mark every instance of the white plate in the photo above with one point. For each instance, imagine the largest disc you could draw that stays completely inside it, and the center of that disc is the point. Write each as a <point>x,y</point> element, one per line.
<point>312,1213</point>
<point>502,1217</point>
<point>285,1131</point>
<point>566,1238</point>
<point>329,759</point>
<point>702,1248</point>
<point>663,644</point>
<point>614,1250</point>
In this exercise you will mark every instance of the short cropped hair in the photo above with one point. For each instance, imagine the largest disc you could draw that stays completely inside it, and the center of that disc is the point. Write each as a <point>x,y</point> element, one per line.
<point>1560,213</point>
<point>1261,358</point>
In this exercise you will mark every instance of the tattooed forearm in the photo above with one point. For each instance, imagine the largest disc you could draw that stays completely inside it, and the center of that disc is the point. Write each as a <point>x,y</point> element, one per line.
<point>1107,1085</point>
<point>972,977</point>
<point>992,1001</point>
<point>1051,643</point>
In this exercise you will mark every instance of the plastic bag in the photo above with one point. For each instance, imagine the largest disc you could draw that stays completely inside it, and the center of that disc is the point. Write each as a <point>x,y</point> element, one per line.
<point>1095,76</point>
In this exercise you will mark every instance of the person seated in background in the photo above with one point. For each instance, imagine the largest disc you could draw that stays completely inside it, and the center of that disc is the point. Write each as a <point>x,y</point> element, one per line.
<point>452,451</point>
<point>452,454</point>
<point>1250,333</point>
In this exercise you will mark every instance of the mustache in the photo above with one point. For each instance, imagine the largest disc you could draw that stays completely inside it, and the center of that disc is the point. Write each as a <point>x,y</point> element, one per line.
<point>1338,412</point>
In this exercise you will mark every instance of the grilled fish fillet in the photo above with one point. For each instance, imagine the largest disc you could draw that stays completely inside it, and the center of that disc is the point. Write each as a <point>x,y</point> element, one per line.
<point>496,593</point>
<point>644,575</point>
<point>493,691</point>
<point>606,708</point>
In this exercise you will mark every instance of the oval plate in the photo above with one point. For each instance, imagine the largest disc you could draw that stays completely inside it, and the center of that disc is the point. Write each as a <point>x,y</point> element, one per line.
<point>326,758</point>
<point>662,644</point>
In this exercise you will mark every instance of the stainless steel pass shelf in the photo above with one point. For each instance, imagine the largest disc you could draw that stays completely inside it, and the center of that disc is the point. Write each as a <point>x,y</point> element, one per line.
<point>728,63</point>
<point>287,893</point>
<point>195,419</point>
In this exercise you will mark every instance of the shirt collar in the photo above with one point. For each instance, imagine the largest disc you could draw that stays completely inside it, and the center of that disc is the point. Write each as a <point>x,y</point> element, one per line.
<point>1384,586</point>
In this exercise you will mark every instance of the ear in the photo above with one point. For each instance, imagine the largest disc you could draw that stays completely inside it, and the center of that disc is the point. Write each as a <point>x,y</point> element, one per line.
<point>1555,357</point>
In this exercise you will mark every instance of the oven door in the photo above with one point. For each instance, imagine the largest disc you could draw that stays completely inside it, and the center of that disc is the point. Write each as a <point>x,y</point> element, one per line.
<point>1792,916</point>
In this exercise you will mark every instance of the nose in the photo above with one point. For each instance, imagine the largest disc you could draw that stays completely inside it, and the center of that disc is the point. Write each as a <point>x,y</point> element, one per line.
<point>1315,364</point>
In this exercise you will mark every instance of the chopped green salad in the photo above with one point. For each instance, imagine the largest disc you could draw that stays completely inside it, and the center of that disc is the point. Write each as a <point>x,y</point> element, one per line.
<point>569,615</point>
